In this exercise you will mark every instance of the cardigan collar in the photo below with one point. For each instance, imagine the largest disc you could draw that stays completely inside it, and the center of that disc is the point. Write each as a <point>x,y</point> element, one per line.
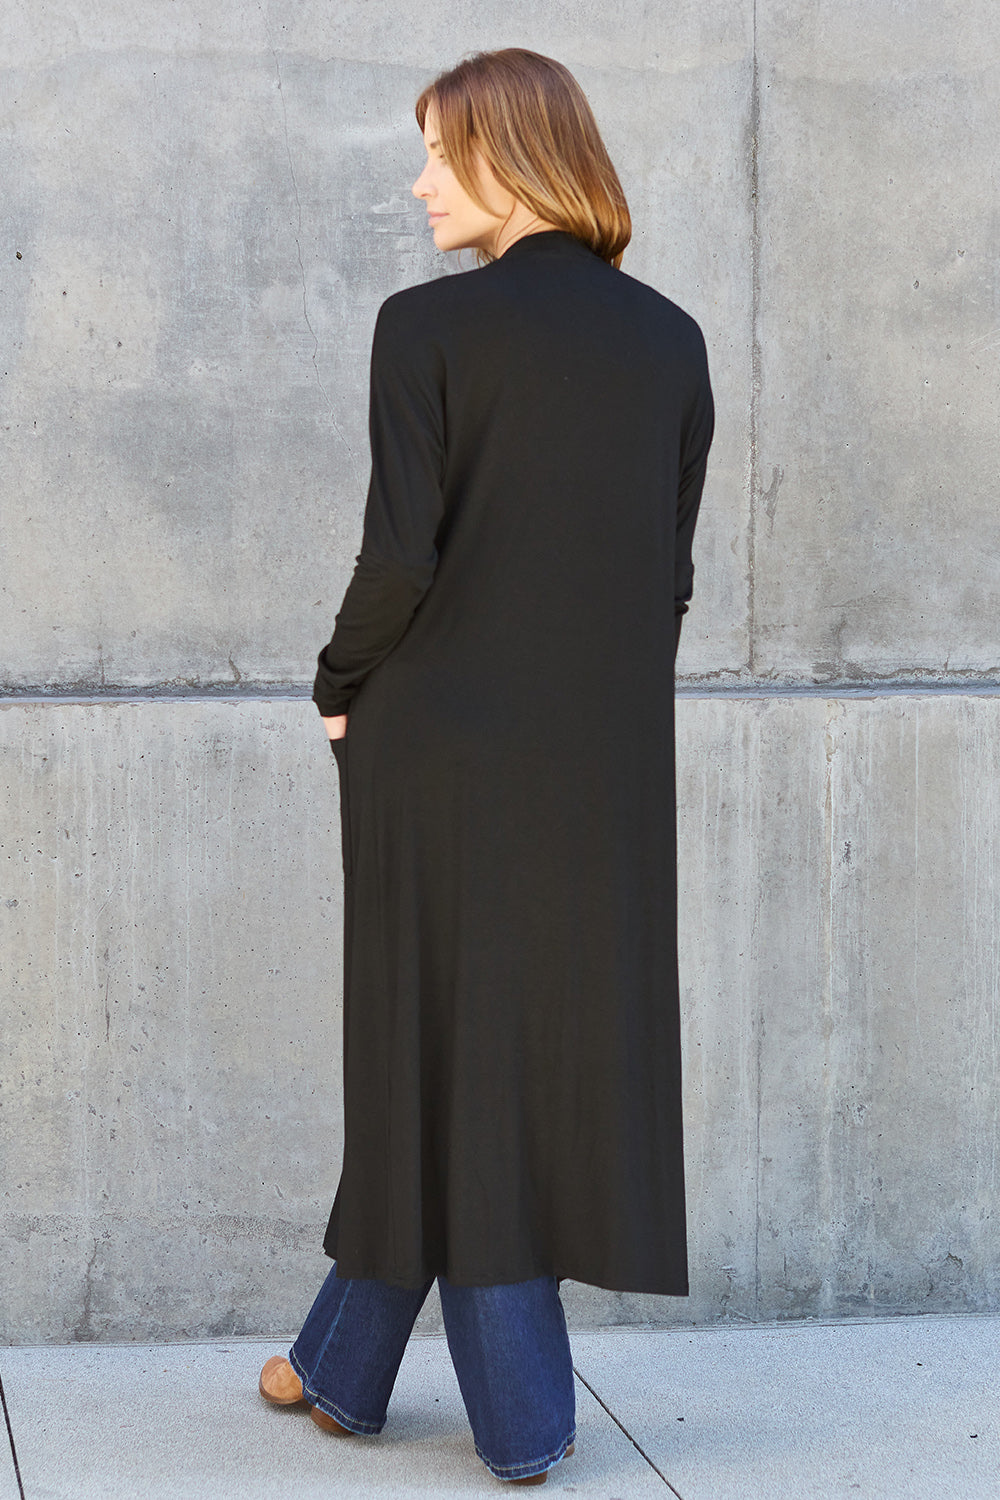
<point>545,242</point>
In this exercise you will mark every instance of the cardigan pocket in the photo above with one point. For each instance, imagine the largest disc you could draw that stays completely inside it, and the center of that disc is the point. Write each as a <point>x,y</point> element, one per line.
<point>339,748</point>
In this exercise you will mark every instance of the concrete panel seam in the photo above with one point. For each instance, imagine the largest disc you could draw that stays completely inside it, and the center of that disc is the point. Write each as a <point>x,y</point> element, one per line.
<point>753,476</point>
<point>249,692</point>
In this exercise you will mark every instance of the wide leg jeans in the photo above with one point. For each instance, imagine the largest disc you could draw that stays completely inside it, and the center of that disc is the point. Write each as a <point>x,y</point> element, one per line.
<point>509,1346</point>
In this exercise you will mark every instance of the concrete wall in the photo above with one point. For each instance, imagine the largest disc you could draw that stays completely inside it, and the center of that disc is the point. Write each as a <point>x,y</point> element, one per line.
<point>203,207</point>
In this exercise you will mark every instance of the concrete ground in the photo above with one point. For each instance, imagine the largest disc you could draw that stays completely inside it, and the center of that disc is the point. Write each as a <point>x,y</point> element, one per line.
<point>871,1411</point>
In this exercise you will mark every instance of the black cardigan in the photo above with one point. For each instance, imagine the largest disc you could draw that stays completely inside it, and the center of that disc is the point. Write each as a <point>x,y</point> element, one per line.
<point>505,651</point>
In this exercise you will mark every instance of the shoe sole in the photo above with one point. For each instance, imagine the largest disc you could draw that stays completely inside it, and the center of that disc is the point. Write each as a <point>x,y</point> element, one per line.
<point>541,1478</point>
<point>328,1423</point>
<point>286,1401</point>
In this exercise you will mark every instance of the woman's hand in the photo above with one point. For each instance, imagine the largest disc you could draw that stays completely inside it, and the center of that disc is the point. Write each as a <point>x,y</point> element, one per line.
<point>336,727</point>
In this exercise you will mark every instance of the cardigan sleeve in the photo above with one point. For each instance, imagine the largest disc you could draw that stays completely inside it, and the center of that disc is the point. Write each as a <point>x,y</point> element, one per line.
<point>403,510</point>
<point>696,440</point>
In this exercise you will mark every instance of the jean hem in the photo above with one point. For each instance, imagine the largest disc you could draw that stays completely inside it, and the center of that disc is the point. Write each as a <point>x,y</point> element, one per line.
<point>534,1466</point>
<point>353,1424</point>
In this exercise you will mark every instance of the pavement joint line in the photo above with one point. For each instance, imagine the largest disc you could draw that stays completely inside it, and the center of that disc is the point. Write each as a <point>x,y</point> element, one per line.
<point>10,1435</point>
<point>639,1449</point>
<point>736,1325</point>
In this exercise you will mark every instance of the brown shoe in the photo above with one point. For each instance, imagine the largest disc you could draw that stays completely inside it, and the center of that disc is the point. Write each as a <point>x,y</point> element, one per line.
<point>328,1423</point>
<point>540,1478</point>
<point>279,1383</point>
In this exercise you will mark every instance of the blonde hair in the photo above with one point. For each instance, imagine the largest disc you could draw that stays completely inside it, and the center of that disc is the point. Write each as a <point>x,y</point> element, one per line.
<point>530,121</point>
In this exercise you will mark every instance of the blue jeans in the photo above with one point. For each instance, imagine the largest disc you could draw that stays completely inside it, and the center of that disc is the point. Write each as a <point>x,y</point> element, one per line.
<point>508,1344</point>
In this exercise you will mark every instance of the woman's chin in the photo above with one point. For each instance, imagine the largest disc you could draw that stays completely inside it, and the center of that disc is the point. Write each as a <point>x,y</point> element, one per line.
<point>445,238</point>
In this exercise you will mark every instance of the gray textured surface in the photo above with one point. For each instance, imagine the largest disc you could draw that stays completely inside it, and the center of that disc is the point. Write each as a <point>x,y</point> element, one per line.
<point>877,1411</point>
<point>171,919</point>
<point>170,908</point>
<point>209,211</point>
<point>876,527</point>
<point>156,1423</point>
<point>887,1411</point>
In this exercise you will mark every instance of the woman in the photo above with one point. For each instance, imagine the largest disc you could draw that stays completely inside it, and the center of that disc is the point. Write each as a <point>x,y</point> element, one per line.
<point>504,659</point>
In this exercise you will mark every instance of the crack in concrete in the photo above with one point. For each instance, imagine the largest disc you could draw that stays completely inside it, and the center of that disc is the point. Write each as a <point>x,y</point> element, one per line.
<point>298,251</point>
<point>771,496</point>
<point>84,1332</point>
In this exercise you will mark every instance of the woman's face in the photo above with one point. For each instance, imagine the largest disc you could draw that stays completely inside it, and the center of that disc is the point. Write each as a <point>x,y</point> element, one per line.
<point>459,223</point>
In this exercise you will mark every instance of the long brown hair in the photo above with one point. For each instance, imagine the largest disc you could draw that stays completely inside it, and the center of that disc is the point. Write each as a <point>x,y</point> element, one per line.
<point>530,120</point>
